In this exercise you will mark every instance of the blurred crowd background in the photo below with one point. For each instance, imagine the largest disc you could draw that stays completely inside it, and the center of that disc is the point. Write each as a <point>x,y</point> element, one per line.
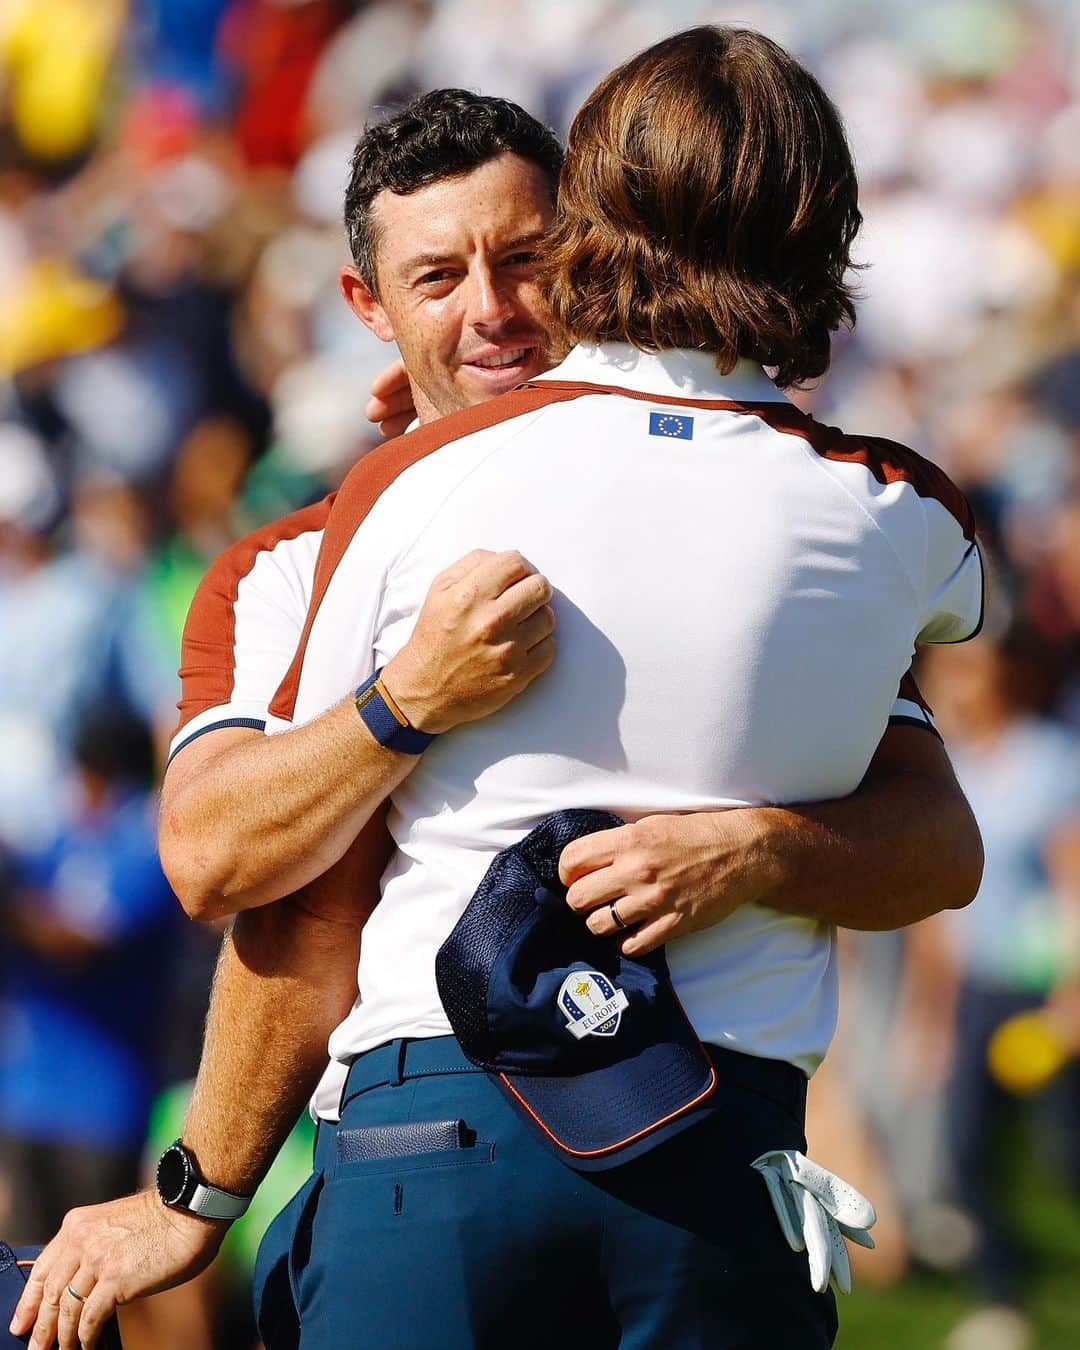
<point>177,368</point>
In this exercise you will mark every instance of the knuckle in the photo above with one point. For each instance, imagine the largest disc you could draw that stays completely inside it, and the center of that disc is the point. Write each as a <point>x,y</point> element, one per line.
<point>486,629</point>
<point>53,1285</point>
<point>664,893</point>
<point>531,591</point>
<point>466,593</point>
<point>646,830</point>
<point>655,897</point>
<point>504,654</point>
<point>643,866</point>
<point>648,839</point>
<point>95,1253</point>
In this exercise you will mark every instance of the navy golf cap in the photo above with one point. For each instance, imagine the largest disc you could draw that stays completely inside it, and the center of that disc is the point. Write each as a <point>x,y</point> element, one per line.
<point>592,1047</point>
<point>15,1266</point>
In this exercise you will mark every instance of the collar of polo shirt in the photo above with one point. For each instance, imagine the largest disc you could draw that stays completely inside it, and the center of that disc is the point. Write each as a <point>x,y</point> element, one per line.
<point>678,373</point>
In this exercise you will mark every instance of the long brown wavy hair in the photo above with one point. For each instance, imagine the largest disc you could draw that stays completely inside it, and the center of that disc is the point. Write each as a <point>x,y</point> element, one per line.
<point>708,200</point>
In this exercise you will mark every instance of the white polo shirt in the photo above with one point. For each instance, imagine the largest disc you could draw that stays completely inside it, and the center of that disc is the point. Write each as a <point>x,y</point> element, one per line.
<point>247,619</point>
<point>738,592</point>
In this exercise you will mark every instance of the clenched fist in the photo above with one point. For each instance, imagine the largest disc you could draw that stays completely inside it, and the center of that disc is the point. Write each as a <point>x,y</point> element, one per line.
<point>483,635</point>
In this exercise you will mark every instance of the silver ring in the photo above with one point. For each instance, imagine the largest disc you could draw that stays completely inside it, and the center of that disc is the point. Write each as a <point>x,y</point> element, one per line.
<point>615,915</point>
<point>75,1294</point>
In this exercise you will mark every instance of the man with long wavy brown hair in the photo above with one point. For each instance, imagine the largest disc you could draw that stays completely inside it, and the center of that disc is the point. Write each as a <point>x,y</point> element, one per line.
<point>708,200</point>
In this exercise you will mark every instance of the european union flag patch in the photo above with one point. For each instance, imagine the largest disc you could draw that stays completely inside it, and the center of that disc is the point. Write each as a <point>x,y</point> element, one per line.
<point>675,426</point>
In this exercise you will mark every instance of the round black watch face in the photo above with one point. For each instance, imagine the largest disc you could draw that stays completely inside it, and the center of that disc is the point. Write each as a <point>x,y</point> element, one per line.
<point>172,1176</point>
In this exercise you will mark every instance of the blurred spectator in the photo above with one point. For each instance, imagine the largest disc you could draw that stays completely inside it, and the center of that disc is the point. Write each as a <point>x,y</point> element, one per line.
<point>177,41</point>
<point>57,58</point>
<point>205,482</point>
<point>61,612</point>
<point>90,925</point>
<point>276,48</point>
<point>1010,949</point>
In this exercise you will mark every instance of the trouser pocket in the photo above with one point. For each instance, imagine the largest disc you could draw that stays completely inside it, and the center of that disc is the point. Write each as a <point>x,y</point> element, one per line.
<point>275,1286</point>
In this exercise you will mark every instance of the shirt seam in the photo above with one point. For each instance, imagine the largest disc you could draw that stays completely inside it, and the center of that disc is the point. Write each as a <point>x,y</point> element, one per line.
<point>812,455</point>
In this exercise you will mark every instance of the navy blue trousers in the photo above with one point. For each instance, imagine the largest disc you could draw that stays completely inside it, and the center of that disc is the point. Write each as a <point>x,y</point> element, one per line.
<point>501,1243</point>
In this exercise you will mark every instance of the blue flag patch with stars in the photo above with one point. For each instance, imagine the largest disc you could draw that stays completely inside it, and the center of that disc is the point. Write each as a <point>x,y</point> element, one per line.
<point>676,426</point>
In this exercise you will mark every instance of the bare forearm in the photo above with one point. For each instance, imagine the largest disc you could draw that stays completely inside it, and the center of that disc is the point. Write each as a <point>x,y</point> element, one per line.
<point>255,818</point>
<point>284,980</point>
<point>903,847</point>
<point>270,813</point>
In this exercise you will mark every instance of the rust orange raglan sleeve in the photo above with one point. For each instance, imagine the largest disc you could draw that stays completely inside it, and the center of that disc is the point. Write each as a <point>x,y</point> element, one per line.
<point>244,625</point>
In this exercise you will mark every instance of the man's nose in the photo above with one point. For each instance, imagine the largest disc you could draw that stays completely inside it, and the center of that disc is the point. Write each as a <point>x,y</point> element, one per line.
<point>489,302</point>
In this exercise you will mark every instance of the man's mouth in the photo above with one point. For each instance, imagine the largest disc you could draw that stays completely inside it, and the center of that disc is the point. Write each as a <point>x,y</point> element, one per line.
<point>511,358</point>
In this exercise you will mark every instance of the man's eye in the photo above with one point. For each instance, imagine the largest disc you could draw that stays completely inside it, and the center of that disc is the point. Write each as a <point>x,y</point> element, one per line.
<point>522,259</point>
<point>435,278</point>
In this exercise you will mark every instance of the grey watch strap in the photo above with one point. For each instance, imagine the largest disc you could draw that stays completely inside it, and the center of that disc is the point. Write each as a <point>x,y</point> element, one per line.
<point>209,1202</point>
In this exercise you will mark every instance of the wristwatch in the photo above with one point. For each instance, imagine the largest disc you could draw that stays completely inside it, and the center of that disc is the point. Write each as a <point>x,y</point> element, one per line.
<point>182,1186</point>
<point>385,720</point>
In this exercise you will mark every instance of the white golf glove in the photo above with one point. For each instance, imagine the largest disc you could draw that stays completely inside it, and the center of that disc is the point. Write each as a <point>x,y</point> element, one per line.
<point>817,1210</point>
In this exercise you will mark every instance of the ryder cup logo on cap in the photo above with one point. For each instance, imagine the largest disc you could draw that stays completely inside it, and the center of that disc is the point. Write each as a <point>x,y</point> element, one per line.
<point>591,1047</point>
<point>592,1004</point>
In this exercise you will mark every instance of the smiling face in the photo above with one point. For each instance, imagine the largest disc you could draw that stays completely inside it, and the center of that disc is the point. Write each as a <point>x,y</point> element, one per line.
<point>454,265</point>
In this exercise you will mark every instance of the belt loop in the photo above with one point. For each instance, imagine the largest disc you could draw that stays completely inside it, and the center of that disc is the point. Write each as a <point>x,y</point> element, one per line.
<point>398,1070</point>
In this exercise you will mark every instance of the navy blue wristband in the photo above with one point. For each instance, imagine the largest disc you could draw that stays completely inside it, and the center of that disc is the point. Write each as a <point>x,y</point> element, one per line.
<point>385,722</point>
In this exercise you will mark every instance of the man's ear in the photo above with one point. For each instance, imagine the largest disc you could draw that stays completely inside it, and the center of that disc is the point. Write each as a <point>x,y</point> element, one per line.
<point>364,305</point>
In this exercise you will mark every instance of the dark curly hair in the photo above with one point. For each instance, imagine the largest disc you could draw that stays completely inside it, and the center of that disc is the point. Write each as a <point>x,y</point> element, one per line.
<point>708,200</point>
<point>441,134</point>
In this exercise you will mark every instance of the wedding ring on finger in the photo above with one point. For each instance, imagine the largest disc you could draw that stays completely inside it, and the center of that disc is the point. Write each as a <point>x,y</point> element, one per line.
<point>75,1293</point>
<point>616,917</point>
